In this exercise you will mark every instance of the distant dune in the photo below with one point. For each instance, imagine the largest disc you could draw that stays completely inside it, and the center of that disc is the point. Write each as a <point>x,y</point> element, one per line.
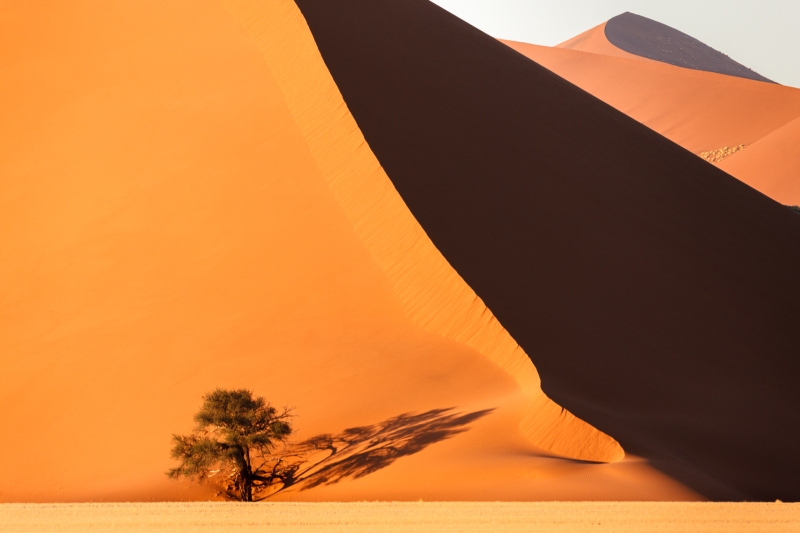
<point>595,41</point>
<point>648,38</point>
<point>700,109</point>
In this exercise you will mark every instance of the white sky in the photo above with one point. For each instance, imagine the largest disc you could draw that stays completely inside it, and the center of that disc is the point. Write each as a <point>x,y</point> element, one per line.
<point>761,34</point>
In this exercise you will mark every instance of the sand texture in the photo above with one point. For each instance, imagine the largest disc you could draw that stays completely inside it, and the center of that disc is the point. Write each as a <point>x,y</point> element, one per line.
<point>719,155</point>
<point>404,517</point>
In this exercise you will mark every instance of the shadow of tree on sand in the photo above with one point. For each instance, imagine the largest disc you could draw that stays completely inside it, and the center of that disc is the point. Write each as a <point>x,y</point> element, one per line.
<point>360,451</point>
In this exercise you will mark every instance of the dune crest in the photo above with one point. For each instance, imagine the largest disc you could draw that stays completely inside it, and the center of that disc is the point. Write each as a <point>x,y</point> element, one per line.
<point>594,41</point>
<point>433,295</point>
<point>648,38</point>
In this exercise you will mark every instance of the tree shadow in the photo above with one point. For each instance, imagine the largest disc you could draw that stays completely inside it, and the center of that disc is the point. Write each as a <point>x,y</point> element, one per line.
<point>357,452</point>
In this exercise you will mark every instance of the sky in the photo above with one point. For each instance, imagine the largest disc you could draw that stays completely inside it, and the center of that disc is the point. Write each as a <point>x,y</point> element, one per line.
<point>761,34</point>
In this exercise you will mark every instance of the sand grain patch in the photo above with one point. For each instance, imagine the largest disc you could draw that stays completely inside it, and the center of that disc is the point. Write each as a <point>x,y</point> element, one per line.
<point>453,517</point>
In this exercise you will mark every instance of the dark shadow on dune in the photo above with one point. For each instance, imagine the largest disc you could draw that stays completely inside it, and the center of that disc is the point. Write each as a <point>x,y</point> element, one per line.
<point>647,38</point>
<point>360,451</point>
<point>658,296</point>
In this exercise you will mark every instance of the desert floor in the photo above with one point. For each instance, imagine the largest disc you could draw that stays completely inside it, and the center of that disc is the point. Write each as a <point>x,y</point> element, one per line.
<point>418,517</point>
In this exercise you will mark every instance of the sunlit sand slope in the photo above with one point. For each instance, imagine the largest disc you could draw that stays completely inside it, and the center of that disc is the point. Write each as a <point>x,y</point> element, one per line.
<point>595,41</point>
<point>187,204</point>
<point>771,165</point>
<point>657,295</point>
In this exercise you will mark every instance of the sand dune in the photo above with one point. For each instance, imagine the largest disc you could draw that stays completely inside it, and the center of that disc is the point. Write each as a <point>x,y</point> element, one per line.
<point>188,203</point>
<point>635,37</point>
<point>771,165</point>
<point>704,112</point>
<point>629,269</point>
<point>700,111</point>
<point>648,38</point>
<point>595,41</point>
<point>179,215</point>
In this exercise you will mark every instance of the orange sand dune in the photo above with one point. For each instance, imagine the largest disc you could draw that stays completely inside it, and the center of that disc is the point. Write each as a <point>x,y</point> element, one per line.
<point>771,165</point>
<point>594,41</point>
<point>187,203</point>
<point>701,111</point>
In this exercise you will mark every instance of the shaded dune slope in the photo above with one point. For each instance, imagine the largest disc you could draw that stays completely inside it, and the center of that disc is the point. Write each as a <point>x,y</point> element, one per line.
<point>648,38</point>
<point>657,296</point>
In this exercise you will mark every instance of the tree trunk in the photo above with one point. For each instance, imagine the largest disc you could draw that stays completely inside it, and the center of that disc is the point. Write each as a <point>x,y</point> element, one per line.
<point>247,476</point>
<point>247,489</point>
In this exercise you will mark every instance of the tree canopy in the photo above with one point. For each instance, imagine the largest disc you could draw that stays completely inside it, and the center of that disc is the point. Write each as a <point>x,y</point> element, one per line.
<point>235,440</point>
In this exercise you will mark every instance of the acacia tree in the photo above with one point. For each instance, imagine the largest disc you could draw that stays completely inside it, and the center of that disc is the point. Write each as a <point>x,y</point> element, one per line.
<point>236,435</point>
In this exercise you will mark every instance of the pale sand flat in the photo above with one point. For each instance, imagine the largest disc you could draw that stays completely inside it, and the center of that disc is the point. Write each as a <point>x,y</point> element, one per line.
<point>422,517</point>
